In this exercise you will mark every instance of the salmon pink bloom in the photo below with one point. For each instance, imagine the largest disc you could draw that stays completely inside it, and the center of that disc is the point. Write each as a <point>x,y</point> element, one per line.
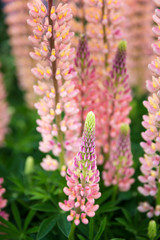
<point>150,162</point>
<point>82,178</point>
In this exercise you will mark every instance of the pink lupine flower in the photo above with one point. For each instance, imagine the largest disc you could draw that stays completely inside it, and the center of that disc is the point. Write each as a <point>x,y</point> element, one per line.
<point>139,37</point>
<point>151,145</point>
<point>82,178</point>
<point>16,17</point>
<point>119,169</point>
<point>51,39</point>
<point>4,116</point>
<point>3,202</point>
<point>49,164</point>
<point>118,97</point>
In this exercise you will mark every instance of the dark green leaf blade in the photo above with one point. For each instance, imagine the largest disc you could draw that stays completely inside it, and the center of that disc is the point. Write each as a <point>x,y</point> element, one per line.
<point>64,225</point>
<point>16,215</point>
<point>46,226</point>
<point>101,229</point>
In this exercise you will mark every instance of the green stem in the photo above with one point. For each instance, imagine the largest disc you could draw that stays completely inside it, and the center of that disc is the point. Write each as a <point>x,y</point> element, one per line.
<point>115,191</point>
<point>55,84</point>
<point>105,40</point>
<point>71,235</point>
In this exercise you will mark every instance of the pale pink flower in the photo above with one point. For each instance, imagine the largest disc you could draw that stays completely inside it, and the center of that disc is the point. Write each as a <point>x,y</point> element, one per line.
<point>82,178</point>
<point>49,164</point>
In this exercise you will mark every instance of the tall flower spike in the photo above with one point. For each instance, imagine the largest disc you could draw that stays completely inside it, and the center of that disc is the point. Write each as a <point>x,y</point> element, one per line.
<point>150,163</point>
<point>118,95</point>
<point>118,169</point>
<point>51,39</point>
<point>139,38</point>
<point>4,116</point>
<point>16,16</point>
<point>82,178</point>
<point>85,80</point>
<point>3,202</point>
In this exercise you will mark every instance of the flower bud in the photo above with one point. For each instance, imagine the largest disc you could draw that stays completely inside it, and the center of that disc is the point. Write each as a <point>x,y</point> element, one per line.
<point>152,230</point>
<point>29,165</point>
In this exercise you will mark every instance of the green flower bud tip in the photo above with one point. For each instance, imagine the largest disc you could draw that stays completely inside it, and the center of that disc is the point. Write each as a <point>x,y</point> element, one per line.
<point>122,46</point>
<point>124,129</point>
<point>152,229</point>
<point>90,122</point>
<point>29,165</point>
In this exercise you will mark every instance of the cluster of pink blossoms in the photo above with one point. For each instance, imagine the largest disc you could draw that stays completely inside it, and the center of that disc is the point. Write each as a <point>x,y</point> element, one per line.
<point>139,38</point>
<point>86,82</point>
<point>4,116</point>
<point>118,168</point>
<point>16,16</point>
<point>54,71</point>
<point>151,145</point>
<point>3,202</point>
<point>82,178</point>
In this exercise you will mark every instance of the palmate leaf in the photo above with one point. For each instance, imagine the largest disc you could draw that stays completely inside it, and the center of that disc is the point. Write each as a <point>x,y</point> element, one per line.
<point>91,229</point>
<point>28,219</point>
<point>108,207</point>
<point>64,225</point>
<point>80,237</point>
<point>101,229</point>
<point>118,239</point>
<point>44,207</point>
<point>32,230</point>
<point>105,196</point>
<point>16,215</point>
<point>46,226</point>
<point>9,225</point>
<point>127,225</point>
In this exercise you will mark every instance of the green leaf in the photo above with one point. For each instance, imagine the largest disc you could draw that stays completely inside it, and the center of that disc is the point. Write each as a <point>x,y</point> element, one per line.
<point>10,225</point>
<point>101,229</point>
<point>108,207</point>
<point>80,237</point>
<point>127,215</point>
<point>32,230</point>
<point>46,226</point>
<point>91,229</point>
<point>28,219</point>
<point>44,207</point>
<point>105,196</point>
<point>127,225</point>
<point>118,239</point>
<point>16,214</point>
<point>5,229</point>
<point>64,225</point>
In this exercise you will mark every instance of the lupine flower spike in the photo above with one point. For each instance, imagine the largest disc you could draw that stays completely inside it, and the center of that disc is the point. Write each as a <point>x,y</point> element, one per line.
<point>4,113</point>
<point>118,95</point>
<point>51,39</point>
<point>16,18</point>
<point>82,178</point>
<point>118,169</point>
<point>139,38</point>
<point>150,163</point>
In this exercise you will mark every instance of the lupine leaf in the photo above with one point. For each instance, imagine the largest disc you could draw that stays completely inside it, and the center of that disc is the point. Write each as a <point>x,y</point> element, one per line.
<point>44,207</point>
<point>16,214</point>
<point>33,230</point>
<point>9,224</point>
<point>46,226</point>
<point>28,219</point>
<point>101,229</point>
<point>91,229</point>
<point>80,237</point>
<point>64,225</point>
